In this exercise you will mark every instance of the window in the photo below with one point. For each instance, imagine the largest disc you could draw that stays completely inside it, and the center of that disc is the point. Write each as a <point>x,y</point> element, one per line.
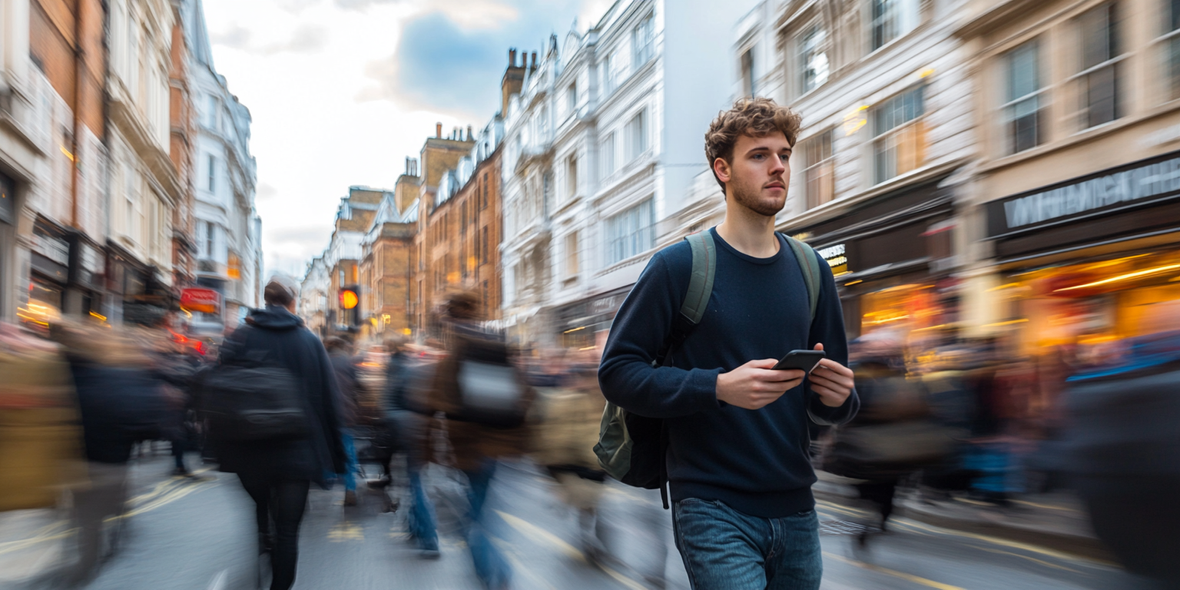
<point>211,184</point>
<point>606,155</point>
<point>1098,77</point>
<point>485,245</point>
<point>820,172</point>
<point>571,98</point>
<point>484,204</point>
<point>636,132</point>
<point>571,176</point>
<point>477,257</point>
<point>463,219</point>
<point>1171,47</point>
<point>571,255</point>
<point>629,233</point>
<point>1022,111</point>
<point>748,72</point>
<point>898,136</point>
<point>212,109</point>
<point>608,75</point>
<point>642,41</point>
<point>813,59</point>
<point>892,19</point>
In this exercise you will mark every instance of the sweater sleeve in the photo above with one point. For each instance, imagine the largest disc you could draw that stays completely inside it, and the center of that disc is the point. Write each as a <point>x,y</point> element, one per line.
<point>828,328</point>
<point>643,322</point>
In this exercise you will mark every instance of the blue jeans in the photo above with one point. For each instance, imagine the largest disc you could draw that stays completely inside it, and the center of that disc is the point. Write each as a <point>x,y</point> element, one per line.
<point>724,549</point>
<point>421,517</point>
<point>490,565</point>
<point>351,468</point>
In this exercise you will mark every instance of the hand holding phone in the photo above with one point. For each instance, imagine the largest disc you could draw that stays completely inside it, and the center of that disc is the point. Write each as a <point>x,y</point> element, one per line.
<point>803,360</point>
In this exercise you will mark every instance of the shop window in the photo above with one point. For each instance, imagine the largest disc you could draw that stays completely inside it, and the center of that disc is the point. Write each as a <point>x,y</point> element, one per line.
<point>820,174</point>
<point>899,138</point>
<point>630,233</point>
<point>813,59</point>
<point>892,19</point>
<point>1023,117</point>
<point>1170,43</point>
<point>1098,82</point>
<point>748,72</point>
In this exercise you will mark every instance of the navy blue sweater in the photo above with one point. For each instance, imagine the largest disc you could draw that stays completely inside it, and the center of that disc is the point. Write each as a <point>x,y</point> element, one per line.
<point>755,461</point>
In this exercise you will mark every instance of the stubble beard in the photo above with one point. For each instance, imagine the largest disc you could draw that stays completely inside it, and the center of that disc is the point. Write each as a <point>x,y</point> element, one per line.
<point>750,200</point>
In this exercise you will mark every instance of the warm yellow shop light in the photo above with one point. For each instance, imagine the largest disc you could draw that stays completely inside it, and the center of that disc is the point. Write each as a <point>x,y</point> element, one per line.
<point>574,330</point>
<point>1123,277</point>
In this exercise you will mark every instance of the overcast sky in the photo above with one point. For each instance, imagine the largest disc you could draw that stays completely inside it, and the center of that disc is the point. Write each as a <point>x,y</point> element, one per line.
<point>341,91</point>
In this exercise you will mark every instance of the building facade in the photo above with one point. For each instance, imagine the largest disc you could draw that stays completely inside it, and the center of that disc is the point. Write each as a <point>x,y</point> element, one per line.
<point>385,271</point>
<point>183,132</point>
<point>601,149</point>
<point>1074,240</point>
<point>314,296</point>
<point>227,227</point>
<point>879,175</point>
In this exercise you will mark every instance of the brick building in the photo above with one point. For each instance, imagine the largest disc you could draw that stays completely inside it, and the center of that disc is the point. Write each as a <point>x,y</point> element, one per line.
<point>182,117</point>
<point>385,272</point>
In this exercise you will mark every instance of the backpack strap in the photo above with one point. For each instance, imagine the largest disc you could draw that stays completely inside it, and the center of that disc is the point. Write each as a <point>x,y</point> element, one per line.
<point>700,290</point>
<point>809,264</point>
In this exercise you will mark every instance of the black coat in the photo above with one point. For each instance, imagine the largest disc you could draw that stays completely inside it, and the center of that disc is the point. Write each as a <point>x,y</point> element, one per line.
<point>290,345</point>
<point>119,406</point>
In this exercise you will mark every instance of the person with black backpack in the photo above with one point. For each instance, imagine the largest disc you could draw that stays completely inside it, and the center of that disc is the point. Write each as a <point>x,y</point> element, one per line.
<point>691,355</point>
<point>485,399</point>
<point>273,411</point>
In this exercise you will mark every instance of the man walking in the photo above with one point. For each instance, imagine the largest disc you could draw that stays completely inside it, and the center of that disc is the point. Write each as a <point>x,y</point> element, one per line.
<point>738,467</point>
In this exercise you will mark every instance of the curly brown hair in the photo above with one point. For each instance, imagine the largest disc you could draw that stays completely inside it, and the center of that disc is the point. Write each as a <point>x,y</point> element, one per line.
<point>756,117</point>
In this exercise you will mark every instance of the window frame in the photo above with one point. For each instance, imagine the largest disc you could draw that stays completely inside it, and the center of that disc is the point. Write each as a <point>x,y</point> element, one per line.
<point>1010,104</point>
<point>606,156</point>
<point>635,136</point>
<point>802,49</point>
<point>643,47</point>
<point>625,231</point>
<point>1169,39</point>
<point>812,201</point>
<point>895,130</point>
<point>1082,119</point>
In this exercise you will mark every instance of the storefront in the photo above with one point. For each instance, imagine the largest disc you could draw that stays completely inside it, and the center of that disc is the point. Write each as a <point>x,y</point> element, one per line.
<point>892,258</point>
<point>584,325</point>
<point>138,293</point>
<point>49,260</point>
<point>87,278</point>
<point>1092,261</point>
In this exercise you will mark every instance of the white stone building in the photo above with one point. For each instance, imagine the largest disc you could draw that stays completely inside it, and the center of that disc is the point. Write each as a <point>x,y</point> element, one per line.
<point>602,145</point>
<point>884,155</point>
<point>314,291</point>
<point>228,229</point>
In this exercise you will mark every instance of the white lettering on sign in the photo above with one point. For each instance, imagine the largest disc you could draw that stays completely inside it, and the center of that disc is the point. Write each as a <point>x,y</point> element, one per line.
<point>1121,187</point>
<point>834,255</point>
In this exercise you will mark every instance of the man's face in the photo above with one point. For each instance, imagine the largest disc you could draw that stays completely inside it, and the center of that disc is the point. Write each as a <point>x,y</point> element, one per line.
<point>759,175</point>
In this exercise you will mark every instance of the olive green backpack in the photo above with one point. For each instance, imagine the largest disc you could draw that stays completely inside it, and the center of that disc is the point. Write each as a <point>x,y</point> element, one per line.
<point>632,448</point>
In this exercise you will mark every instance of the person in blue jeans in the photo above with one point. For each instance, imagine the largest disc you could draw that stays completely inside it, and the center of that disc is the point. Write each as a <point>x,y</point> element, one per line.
<point>738,468</point>
<point>348,380</point>
<point>407,426</point>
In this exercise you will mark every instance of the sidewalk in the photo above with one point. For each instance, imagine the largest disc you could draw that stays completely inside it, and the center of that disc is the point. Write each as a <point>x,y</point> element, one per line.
<point>1056,521</point>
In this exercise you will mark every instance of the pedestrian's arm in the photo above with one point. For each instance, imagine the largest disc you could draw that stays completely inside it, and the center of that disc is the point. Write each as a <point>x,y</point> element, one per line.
<point>828,329</point>
<point>330,405</point>
<point>641,326</point>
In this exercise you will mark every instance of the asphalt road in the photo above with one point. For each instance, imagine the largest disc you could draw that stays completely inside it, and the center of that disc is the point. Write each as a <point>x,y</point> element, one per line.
<point>198,535</point>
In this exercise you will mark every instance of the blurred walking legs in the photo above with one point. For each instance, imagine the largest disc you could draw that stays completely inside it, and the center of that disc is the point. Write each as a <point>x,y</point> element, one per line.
<point>421,518</point>
<point>283,502</point>
<point>490,565</point>
<point>104,497</point>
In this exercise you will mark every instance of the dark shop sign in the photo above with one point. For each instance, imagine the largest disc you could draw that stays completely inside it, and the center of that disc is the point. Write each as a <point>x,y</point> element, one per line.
<point>1133,185</point>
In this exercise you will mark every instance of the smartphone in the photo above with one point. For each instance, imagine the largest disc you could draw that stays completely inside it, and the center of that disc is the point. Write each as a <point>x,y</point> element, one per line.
<point>803,360</point>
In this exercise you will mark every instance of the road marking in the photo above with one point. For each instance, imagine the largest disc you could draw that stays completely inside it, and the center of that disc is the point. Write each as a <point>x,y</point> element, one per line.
<point>218,582</point>
<point>1032,559</point>
<point>346,531</point>
<point>894,573</point>
<point>547,538</point>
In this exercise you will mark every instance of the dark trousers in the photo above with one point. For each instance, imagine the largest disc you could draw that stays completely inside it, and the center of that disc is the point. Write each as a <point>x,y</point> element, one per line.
<point>281,501</point>
<point>880,493</point>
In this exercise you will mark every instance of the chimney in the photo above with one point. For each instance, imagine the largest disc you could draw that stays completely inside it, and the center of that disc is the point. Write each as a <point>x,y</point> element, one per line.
<point>512,58</point>
<point>469,135</point>
<point>438,130</point>
<point>534,66</point>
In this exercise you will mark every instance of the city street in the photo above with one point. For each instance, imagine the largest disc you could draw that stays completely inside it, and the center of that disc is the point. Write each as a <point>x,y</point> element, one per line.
<point>198,535</point>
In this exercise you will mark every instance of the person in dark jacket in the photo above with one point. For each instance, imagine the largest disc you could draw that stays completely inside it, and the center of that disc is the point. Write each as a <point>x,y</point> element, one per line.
<point>278,475</point>
<point>349,382</point>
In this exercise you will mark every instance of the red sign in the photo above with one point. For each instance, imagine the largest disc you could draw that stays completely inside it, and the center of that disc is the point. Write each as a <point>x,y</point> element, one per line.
<point>202,300</point>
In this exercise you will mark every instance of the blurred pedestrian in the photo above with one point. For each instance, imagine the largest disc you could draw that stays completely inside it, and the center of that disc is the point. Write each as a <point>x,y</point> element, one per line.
<point>737,447</point>
<point>348,380</point>
<point>122,402</point>
<point>485,400</point>
<point>404,427</point>
<point>277,471</point>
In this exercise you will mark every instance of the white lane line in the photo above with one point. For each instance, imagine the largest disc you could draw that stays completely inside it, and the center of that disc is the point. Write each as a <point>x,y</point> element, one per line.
<point>218,582</point>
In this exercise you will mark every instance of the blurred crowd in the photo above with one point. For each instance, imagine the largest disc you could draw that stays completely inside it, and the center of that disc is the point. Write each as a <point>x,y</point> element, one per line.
<point>969,420</point>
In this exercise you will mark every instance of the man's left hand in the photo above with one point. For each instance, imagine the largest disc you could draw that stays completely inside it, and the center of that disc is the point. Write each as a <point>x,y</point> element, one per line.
<point>831,381</point>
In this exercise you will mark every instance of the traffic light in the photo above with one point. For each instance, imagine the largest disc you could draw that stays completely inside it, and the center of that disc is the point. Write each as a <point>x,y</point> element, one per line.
<point>350,302</point>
